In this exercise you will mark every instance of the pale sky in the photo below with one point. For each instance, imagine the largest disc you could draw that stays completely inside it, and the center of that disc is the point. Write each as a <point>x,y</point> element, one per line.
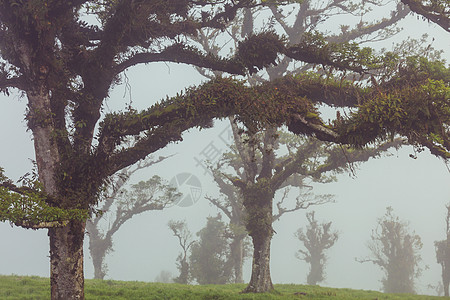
<point>418,190</point>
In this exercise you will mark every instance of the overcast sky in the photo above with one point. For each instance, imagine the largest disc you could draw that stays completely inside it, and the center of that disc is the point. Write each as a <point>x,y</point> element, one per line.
<point>418,190</point>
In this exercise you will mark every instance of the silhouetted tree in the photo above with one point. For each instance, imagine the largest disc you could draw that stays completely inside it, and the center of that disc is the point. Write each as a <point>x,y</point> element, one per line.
<point>396,251</point>
<point>181,231</point>
<point>210,254</point>
<point>153,194</point>
<point>443,255</point>
<point>317,238</point>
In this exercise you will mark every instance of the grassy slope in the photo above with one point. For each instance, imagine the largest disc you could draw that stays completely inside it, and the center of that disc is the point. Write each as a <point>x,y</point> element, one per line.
<point>22,287</point>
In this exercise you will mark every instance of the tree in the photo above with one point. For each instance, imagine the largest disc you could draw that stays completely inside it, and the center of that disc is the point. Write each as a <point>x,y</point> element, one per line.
<point>443,255</point>
<point>153,194</point>
<point>210,254</point>
<point>254,157</point>
<point>164,277</point>
<point>396,251</point>
<point>181,231</point>
<point>316,239</point>
<point>230,203</point>
<point>66,67</point>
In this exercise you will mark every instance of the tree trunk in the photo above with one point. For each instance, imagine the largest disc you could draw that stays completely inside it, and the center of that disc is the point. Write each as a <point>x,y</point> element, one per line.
<point>260,281</point>
<point>66,243</point>
<point>66,261</point>
<point>258,204</point>
<point>316,272</point>
<point>98,247</point>
<point>445,280</point>
<point>237,256</point>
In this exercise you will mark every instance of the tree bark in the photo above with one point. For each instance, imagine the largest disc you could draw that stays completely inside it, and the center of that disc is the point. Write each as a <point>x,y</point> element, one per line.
<point>66,243</point>
<point>258,203</point>
<point>66,261</point>
<point>260,281</point>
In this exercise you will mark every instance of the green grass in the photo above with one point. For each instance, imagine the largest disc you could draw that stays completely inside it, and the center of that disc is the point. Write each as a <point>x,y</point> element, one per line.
<point>23,287</point>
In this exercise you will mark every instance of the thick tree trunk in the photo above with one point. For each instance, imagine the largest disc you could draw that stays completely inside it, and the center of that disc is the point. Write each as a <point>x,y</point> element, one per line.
<point>316,272</point>
<point>66,243</point>
<point>260,281</point>
<point>66,261</point>
<point>258,204</point>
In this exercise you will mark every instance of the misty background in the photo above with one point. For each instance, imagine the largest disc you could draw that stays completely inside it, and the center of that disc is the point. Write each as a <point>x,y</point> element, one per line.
<point>417,190</point>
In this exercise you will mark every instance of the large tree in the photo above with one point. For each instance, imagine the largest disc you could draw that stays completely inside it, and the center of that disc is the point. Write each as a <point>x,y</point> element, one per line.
<point>300,161</point>
<point>66,67</point>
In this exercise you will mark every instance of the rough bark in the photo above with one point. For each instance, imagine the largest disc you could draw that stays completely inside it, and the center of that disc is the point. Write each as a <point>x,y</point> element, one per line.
<point>258,203</point>
<point>260,282</point>
<point>66,261</point>
<point>66,243</point>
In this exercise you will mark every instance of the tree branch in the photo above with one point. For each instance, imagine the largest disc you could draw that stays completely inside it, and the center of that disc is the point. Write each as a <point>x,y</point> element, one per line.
<point>441,17</point>
<point>181,53</point>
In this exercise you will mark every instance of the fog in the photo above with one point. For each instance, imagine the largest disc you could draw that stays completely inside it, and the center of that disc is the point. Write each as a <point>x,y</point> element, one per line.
<point>417,189</point>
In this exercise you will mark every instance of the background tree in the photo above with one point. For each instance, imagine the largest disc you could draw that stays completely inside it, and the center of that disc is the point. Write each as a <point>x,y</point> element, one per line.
<point>66,67</point>
<point>316,239</point>
<point>443,255</point>
<point>153,194</point>
<point>209,258</point>
<point>230,204</point>
<point>164,276</point>
<point>181,231</point>
<point>396,251</point>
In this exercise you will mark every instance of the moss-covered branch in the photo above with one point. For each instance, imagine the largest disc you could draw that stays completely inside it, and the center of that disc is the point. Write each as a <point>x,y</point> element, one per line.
<point>420,113</point>
<point>29,207</point>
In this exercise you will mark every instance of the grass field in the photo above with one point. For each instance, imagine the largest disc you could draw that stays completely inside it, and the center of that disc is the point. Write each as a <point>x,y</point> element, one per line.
<point>24,287</point>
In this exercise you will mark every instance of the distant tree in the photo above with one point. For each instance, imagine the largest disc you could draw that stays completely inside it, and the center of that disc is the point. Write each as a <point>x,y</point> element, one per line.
<point>164,276</point>
<point>316,239</point>
<point>181,231</point>
<point>210,254</point>
<point>230,204</point>
<point>443,255</point>
<point>119,205</point>
<point>396,251</point>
